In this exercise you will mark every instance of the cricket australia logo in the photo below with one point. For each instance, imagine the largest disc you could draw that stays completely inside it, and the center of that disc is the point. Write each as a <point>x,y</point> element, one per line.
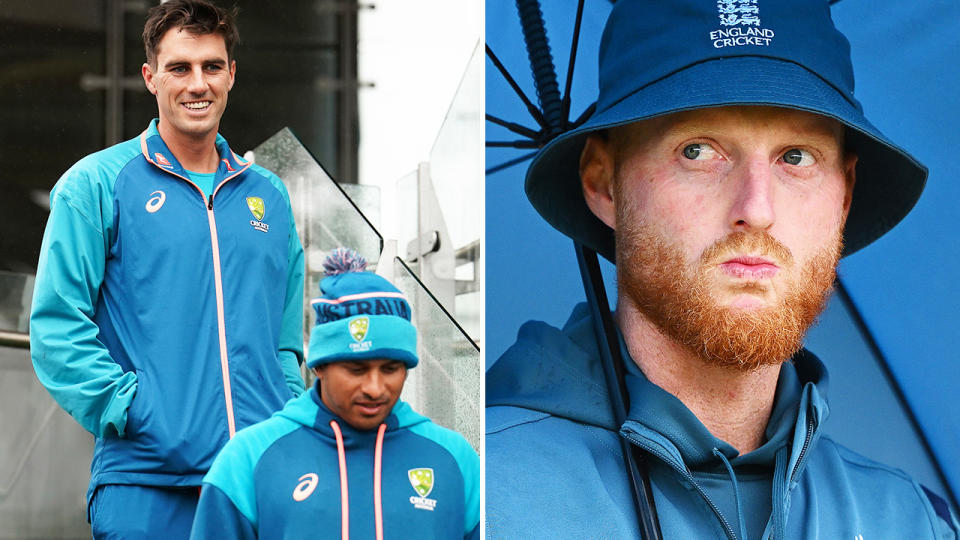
<point>255,204</point>
<point>740,25</point>
<point>422,482</point>
<point>359,327</point>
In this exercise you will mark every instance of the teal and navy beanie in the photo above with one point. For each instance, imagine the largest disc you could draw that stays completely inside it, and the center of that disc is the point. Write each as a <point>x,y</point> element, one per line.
<point>360,315</point>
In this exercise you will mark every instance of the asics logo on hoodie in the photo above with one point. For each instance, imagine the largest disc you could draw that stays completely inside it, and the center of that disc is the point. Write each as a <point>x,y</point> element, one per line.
<point>156,201</point>
<point>304,489</point>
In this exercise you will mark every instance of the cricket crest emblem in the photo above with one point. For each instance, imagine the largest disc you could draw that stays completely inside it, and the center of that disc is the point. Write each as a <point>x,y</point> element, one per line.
<point>255,204</point>
<point>422,480</point>
<point>359,327</point>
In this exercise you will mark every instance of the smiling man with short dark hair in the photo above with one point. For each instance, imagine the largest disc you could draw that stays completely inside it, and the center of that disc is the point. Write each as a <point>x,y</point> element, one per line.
<point>167,311</point>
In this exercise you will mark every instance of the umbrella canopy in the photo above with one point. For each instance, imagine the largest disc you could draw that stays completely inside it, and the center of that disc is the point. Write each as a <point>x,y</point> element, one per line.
<point>885,336</point>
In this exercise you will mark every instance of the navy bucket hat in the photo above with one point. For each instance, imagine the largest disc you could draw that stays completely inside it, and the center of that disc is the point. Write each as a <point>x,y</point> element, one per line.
<point>658,58</point>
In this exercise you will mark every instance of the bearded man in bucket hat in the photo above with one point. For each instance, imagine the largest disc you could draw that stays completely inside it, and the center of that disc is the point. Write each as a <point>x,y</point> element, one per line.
<point>726,169</point>
<point>348,459</point>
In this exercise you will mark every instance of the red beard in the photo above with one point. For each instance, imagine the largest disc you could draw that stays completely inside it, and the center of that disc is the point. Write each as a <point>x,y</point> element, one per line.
<point>655,278</point>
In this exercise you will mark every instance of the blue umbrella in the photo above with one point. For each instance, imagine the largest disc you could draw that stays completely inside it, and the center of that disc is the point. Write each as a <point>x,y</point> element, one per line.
<point>894,372</point>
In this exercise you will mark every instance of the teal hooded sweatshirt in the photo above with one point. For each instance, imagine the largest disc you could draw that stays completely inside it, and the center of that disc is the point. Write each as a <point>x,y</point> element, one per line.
<point>554,467</point>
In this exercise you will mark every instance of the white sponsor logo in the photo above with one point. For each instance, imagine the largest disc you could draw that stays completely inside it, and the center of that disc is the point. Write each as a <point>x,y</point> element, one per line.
<point>156,201</point>
<point>423,503</point>
<point>361,347</point>
<point>304,489</point>
<point>740,25</point>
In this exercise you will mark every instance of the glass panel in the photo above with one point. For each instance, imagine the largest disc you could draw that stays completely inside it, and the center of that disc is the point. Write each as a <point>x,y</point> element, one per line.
<point>445,386</point>
<point>456,172</point>
<point>405,205</point>
<point>456,159</point>
<point>326,217</point>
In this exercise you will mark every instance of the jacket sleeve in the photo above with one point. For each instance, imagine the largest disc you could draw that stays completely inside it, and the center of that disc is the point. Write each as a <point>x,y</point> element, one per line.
<point>217,517</point>
<point>291,332</point>
<point>228,506</point>
<point>69,359</point>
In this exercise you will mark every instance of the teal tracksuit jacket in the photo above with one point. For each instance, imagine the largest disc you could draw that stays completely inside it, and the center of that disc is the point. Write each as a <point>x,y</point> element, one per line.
<point>554,467</point>
<point>287,478</point>
<point>164,320</point>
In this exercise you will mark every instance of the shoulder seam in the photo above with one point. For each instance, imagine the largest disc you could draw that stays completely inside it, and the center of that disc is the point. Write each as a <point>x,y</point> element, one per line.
<point>856,460</point>
<point>504,427</point>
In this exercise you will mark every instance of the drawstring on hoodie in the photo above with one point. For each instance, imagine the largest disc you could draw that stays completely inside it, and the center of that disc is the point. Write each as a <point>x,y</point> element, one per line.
<point>344,499</point>
<point>736,492</point>
<point>377,458</point>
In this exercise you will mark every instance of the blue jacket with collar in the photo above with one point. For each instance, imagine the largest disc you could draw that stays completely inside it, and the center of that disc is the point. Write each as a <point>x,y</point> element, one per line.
<point>286,478</point>
<point>554,463</point>
<point>164,320</point>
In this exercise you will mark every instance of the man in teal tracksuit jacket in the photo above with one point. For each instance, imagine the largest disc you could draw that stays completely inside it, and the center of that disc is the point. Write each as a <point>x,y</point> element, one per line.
<point>726,169</point>
<point>167,311</point>
<point>348,459</point>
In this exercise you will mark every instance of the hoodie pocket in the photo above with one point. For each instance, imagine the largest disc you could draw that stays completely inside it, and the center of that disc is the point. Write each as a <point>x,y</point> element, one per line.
<point>174,427</point>
<point>138,414</point>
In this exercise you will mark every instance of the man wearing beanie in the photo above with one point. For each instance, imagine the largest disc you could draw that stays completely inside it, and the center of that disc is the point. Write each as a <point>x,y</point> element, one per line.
<point>726,169</point>
<point>347,459</point>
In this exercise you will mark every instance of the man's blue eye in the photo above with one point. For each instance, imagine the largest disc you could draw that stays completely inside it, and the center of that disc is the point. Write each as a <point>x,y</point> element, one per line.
<point>699,151</point>
<point>796,156</point>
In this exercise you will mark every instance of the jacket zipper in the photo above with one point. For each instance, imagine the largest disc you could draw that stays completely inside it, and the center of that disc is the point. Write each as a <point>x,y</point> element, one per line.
<point>666,458</point>
<point>803,451</point>
<point>221,317</point>
<point>221,311</point>
<point>811,426</point>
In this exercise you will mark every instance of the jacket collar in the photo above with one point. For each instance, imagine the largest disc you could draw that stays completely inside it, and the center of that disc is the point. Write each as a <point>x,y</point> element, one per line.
<point>798,413</point>
<point>155,151</point>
